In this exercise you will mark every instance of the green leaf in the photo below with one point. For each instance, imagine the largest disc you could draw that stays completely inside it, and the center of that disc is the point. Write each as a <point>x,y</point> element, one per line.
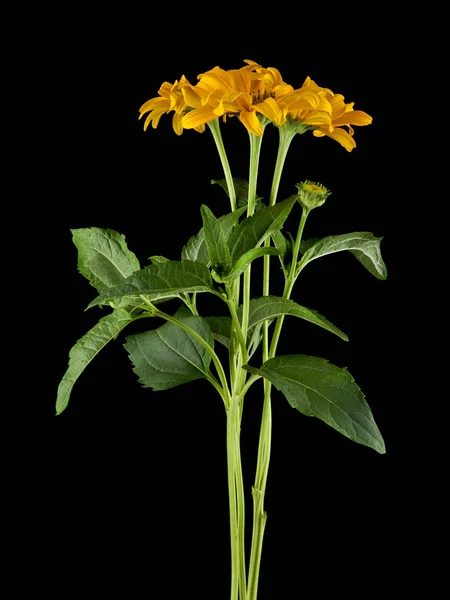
<point>281,243</point>
<point>169,356</point>
<point>103,257</point>
<point>240,187</point>
<point>228,221</point>
<point>165,280</point>
<point>157,260</point>
<point>364,245</point>
<point>270,307</point>
<point>243,262</point>
<point>319,389</point>
<point>252,231</point>
<point>87,348</point>
<point>221,329</point>
<point>218,251</point>
<point>195,249</point>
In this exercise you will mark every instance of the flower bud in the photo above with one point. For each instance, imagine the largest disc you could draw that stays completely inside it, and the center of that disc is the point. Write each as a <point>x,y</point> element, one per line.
<point>311,195</point>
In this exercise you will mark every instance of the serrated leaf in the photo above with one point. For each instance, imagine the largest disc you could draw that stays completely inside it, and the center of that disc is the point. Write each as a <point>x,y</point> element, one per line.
<point>243,262</point>
<point>218,251</point>
<point>169,356</point>
<point>364,245</point>
<point>281,243</point>
<point>252,231</point>
<point>228,221</point>
<point>103,257</point>
<point>195,249</point>
<point>319,389</point>
<point>240,188</point>
<point>221,329</point>
<point>85,350</point>
<point>157,260</point>
<point>271,307</point>
<point>159,281</point>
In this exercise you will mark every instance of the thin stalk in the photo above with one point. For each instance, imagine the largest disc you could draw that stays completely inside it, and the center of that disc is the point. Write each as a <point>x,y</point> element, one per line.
<point>286,135</point>
<point>289,284</point>
<point>214,126</point>
<point>255,148</point>
<point>234,531</point>
<point>265,439</point>
<point>264,448</point>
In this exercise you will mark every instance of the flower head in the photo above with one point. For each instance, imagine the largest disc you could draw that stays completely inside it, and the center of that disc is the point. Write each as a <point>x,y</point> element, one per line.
<point>171,98</point>
<point>326,112</point>
<point>311,195</point>
<point>244,92</point>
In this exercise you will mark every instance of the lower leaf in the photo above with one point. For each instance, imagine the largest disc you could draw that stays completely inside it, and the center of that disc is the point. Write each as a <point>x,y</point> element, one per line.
<point>87,348</point>
<point>319,389</point>
<point>169,356</point>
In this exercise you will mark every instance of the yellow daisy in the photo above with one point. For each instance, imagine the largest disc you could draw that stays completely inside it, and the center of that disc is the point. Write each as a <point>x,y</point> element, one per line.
<point>170,98</point>
<point>245,92</point>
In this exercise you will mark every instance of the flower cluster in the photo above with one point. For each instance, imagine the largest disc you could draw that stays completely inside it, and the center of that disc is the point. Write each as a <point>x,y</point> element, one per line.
<point>256,95</point>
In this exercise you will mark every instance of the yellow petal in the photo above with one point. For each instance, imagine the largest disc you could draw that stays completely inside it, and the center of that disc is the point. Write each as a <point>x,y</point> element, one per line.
<point>250,119</point>
<point>198,117</point>
<point>191,97</point>
<point>270,109</point>
<point>177,123</point>
<point>164,90</point>
<point>217,79</point>
<point>317,117</point>
<point>340,135</point>
<point>154,104</point>
<point>154,118</point>
<point>353,117</point>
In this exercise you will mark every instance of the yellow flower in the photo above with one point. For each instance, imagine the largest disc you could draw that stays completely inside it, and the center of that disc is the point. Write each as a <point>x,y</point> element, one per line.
<point>245,92</point>
<point>327,112</point>
<point>170,98</point>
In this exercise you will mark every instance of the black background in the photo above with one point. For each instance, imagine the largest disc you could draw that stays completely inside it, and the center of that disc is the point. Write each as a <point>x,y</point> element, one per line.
<point>136,499</point>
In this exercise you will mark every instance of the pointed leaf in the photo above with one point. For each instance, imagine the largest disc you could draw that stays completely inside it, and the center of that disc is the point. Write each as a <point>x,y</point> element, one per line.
<point>319,389</point>
<point>158,281</point>
<point>228,221</point>
<point>364,245</point>
<point>169,356</point>
<point>252,231</point>
<point>243,262</point>
<point>221,329</point>
<point>87,348</point>
<point>103,257</point>
<point>218,251</point>
<point>195,249</point>
<point>240,188</point>
<point>270,307</point>
<point>157,260</point>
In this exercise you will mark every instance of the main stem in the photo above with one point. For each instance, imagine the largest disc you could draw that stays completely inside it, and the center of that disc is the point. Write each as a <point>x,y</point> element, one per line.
<point>265,436</point>
<point>234,413</point>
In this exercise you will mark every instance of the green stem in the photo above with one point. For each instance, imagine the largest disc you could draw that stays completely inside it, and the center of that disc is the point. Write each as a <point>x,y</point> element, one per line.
<point>234,531</point>
<point>259,489</point>
<point>286,135</point>
<point>255,148</point>
<point>214,126</point>
<point>236,325</point>
<point>265,438</point>
<point>289,284</point>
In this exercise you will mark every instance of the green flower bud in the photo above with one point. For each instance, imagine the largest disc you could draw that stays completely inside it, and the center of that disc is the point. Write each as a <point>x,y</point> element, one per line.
<point>311,195</point>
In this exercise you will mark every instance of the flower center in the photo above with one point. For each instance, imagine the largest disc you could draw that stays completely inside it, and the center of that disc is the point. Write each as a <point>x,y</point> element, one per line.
<point>311,187</point>
<point>257,97</point>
